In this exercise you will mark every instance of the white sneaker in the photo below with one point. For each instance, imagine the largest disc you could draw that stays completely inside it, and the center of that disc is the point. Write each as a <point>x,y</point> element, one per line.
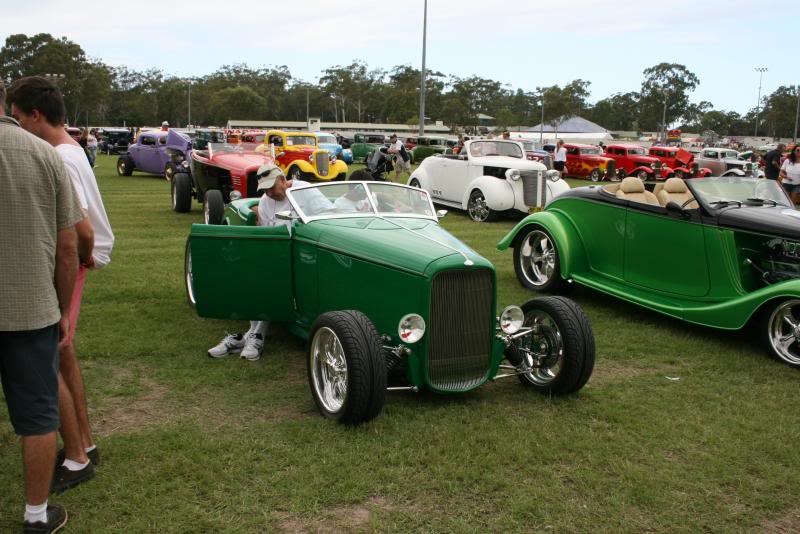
<point>252,347</point>
<point>231,344</point>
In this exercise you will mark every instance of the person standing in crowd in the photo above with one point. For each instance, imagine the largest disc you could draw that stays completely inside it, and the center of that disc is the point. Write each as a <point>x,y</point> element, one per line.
<point>273,184</point>
<point>772,162</point>
<point>506,135</point>
<point>91,146</point>
<point>560,159</point>
<point>402,160</point>
<point>790,174</point>
<point>39,107</point>
<point>37,275</point>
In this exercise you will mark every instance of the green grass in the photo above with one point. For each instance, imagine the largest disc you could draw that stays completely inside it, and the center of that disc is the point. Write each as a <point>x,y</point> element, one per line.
<point>191,444</point>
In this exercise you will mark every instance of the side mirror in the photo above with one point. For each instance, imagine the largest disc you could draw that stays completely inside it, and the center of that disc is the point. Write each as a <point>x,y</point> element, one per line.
<point>674,207</point>
<point>440,214</point>
<point>285,216</point>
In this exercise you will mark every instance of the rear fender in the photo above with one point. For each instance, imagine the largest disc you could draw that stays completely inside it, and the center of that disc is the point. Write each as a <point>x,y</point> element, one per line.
<point>703,172</point>
<point>734,172</point>
<point>498,193</point>
<point>566,239</point>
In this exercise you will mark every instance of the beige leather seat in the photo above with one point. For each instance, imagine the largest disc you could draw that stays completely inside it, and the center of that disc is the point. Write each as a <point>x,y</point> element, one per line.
<point>675,190</point>
<point>632,189</point>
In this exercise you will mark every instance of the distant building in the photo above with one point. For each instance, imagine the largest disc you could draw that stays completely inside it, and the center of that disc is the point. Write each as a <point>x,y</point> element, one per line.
<point>338,127</point>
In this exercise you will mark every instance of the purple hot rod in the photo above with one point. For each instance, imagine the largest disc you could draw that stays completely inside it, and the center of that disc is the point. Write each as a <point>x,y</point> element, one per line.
<point>157,152</point>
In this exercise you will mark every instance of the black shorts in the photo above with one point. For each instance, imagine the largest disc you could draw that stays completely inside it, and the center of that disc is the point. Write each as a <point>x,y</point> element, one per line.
<point>558,165</point>
<point>29,372</point>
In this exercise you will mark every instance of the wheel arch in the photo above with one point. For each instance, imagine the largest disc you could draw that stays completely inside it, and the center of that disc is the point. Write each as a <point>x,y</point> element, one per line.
<point>422,176</point>
<point>567,241</point>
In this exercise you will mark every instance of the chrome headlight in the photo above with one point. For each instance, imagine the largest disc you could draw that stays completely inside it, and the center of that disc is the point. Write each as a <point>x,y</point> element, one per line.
<point>235,195</point>
<point>652,165</point>
<point>185,163</point>
<point>553,175</point>
<point>511,319</point>
<point>513,174</point>
<point>411,328</point>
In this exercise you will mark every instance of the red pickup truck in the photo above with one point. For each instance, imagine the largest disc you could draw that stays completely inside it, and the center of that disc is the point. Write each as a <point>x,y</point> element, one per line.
<point>633,161</point>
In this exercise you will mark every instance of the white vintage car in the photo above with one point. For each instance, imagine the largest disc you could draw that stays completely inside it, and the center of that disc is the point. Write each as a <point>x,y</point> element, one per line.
<point>488,177</point>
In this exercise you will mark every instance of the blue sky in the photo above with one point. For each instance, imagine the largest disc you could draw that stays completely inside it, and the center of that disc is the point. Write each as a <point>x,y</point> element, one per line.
<point>524,44</point>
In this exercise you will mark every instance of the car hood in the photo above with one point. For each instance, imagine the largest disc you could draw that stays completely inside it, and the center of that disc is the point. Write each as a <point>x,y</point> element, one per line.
<point>239,162</point>
<point>178,141</point>
<point>779,221</point>
<point>508,163</point>
<point>381,241</point>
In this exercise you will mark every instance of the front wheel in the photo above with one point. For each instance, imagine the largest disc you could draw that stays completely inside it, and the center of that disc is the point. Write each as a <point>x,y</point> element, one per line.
<point>595,175</point>
<point>414,183</point>
<point>187,273</point>
<point>124,166</point>
<point>560,351</point>
<point>537,262</point>
<point>780,328</point>
<point>478,209</point>
<point>213,207</point>
<point>642,175</point>
<point>346,367</point>
<point>295,173</point>
<point>181,192</point>
<point>169,172</point>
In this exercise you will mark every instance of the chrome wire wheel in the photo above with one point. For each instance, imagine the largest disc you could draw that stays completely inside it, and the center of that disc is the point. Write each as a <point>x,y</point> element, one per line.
<point>545,349</point>
<point>783,331</point>
<point>189,277</point>
<point>174,196</point>
<point>121,168</point>
<point>538,258</point>
<point>477,208</point>
<point>595,175</point>
<point>206,211</point>
<point>328,370</point>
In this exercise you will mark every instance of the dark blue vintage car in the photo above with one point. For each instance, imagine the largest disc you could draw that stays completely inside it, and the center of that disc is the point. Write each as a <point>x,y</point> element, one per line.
<point>158,152</point>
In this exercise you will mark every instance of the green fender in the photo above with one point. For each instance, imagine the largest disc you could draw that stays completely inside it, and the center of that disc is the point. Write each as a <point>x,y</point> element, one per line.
<point>570,249</point>
<point>735,313</point>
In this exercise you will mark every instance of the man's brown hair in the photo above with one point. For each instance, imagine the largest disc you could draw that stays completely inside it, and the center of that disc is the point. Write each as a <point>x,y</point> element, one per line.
<point>39,93</point>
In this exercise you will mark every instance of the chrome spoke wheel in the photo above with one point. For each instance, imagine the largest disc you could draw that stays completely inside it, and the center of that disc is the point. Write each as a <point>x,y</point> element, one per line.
<point>328,370</point>
<point>174,197</point>
<point>206,216</point>
<point>544,349</point>
<point>538,258</point>
<point>477,207</point>
<point>784,331</point>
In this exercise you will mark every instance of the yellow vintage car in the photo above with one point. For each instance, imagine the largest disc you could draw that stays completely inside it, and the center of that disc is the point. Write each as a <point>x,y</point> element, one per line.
<point>299,157</point>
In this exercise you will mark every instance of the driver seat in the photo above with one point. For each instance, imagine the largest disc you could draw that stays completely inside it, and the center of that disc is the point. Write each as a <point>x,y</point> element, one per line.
<point>632,189</point>
<point>675,190</point>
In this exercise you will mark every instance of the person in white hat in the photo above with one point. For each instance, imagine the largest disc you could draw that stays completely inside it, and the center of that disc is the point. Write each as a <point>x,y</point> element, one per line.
<point>273,184</point>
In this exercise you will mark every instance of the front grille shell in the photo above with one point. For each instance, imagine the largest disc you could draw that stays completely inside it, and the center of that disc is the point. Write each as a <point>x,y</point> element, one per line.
<point>460,329</point>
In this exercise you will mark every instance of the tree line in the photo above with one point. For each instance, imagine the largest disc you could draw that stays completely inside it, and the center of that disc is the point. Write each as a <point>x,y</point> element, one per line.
<point>100,94</point>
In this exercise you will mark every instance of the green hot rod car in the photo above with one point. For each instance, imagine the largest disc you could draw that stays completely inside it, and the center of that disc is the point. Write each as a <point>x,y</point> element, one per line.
<point>364,272</point>
<point>720,252</point>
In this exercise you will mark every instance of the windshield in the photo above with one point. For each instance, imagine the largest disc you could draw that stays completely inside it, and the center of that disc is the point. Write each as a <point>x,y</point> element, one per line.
<point>360,199</point>
<point>732,155</point>
<point>719,192</point>
<point>635,151</point>
<point>327,139</point>
<point>212,136</point>
<point>238,148</point>
<point>591,151</point>
<point>301,140</point>
<point>495,148</point>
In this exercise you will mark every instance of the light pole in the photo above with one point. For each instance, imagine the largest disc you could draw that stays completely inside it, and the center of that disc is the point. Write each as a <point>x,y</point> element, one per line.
<point>190,103</point>
<point>422,76</point>
<point>761,71</point>
<point>796,112</point>
<point>541,123</point>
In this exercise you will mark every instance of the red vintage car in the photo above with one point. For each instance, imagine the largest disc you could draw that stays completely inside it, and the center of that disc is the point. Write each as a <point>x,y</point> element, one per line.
<point>680,161</point>
<point>219,174</point>
<point>588,161</point>
<point>633,160</point>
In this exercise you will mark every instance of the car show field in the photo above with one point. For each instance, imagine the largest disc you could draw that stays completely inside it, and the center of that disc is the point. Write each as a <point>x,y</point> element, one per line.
<point>681,428</point>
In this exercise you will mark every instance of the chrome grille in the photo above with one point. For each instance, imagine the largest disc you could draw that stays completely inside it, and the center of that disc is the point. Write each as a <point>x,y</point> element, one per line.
<point>534,188</point>
<point>322,162</point>
<point>461,329</point>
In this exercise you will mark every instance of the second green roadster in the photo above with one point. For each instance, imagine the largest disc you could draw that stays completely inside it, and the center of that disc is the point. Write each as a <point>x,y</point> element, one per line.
<point>364,272</point>
<point>721,252</point>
